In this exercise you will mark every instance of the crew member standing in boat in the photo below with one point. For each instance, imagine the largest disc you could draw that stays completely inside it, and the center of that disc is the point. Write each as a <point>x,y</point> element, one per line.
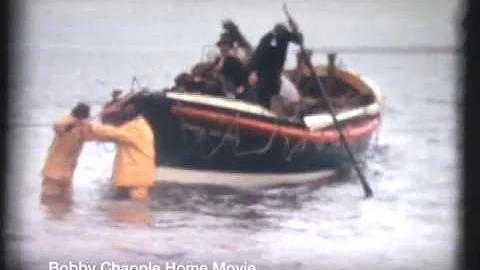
<point>63,155</point>
<point>134,169</point>
<point>115,97</point>
<point>230,67</point>
<point>225,73</point>
<point>242,49</point>
<point>304,78</point>
<point>266,64</point>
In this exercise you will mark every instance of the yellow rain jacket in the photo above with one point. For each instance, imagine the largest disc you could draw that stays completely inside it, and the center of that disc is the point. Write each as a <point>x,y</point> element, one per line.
<point>135,158</point>
<point>65,149</point>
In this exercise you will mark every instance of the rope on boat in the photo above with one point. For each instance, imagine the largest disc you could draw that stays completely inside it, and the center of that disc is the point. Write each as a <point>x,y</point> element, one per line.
<point>301,143</point>
<point>221,143</point>
<point>234,127</point>
<point>300,146</point>
<point>286,145</point>
<point>258,151</point>
<point>48,124</point>
<point>28,125</point>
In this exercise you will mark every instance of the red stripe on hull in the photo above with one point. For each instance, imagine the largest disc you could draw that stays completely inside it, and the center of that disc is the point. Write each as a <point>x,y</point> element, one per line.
<point>352,132</point>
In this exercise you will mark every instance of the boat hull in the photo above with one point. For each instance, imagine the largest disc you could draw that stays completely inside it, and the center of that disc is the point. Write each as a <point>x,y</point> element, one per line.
<point>194,151</point>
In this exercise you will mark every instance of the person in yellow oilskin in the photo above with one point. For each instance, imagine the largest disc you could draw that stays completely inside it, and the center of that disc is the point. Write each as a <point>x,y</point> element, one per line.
<point>63,155</point>
<point>134,167</point>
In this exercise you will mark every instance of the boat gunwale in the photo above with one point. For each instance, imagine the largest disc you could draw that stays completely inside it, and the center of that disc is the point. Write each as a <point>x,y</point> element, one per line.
<point>352,132</point>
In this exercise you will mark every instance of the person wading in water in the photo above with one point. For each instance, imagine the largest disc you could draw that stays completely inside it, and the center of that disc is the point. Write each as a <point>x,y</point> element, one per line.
<point>134,169</point>
<point>58,170</point>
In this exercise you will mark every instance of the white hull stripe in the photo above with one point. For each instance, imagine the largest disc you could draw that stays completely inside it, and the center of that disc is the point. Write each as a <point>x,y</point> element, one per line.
<point>236,180</point>
<point>319,121</point>
<point>232,104</point>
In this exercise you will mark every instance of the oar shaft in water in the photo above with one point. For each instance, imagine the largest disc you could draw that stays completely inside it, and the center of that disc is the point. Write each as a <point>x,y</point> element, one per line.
<point>366,187</point>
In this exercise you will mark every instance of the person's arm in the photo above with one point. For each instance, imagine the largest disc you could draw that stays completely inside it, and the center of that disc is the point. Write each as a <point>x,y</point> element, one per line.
<point>109,133</point>
<point>59,128</point>
<point>296,37</point>
<point>259,52</point>
<point>64,125</point>
<point>219,63</point>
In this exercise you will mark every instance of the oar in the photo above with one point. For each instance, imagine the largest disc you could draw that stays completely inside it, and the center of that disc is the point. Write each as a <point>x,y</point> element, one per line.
<point>134,80</point>
<point>366,187</point>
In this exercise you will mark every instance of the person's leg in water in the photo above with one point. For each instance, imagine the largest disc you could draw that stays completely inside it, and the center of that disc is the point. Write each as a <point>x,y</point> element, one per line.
<point>132,193</point>
<point>120,193</point>
<point>54,190</point>
<point>139,194</point>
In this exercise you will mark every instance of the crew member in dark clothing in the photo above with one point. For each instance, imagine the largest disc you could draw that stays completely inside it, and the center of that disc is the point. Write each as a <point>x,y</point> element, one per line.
<point>268,60</point>
<point>210,83</point>
<point>115,97</point>
<point>304,78</point>
<point>230,67</point>
<point>185,82</point>
<point>242,48</point>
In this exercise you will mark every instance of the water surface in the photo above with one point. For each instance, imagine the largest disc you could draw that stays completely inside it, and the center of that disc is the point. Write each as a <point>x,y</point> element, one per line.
<point>68,51</point>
